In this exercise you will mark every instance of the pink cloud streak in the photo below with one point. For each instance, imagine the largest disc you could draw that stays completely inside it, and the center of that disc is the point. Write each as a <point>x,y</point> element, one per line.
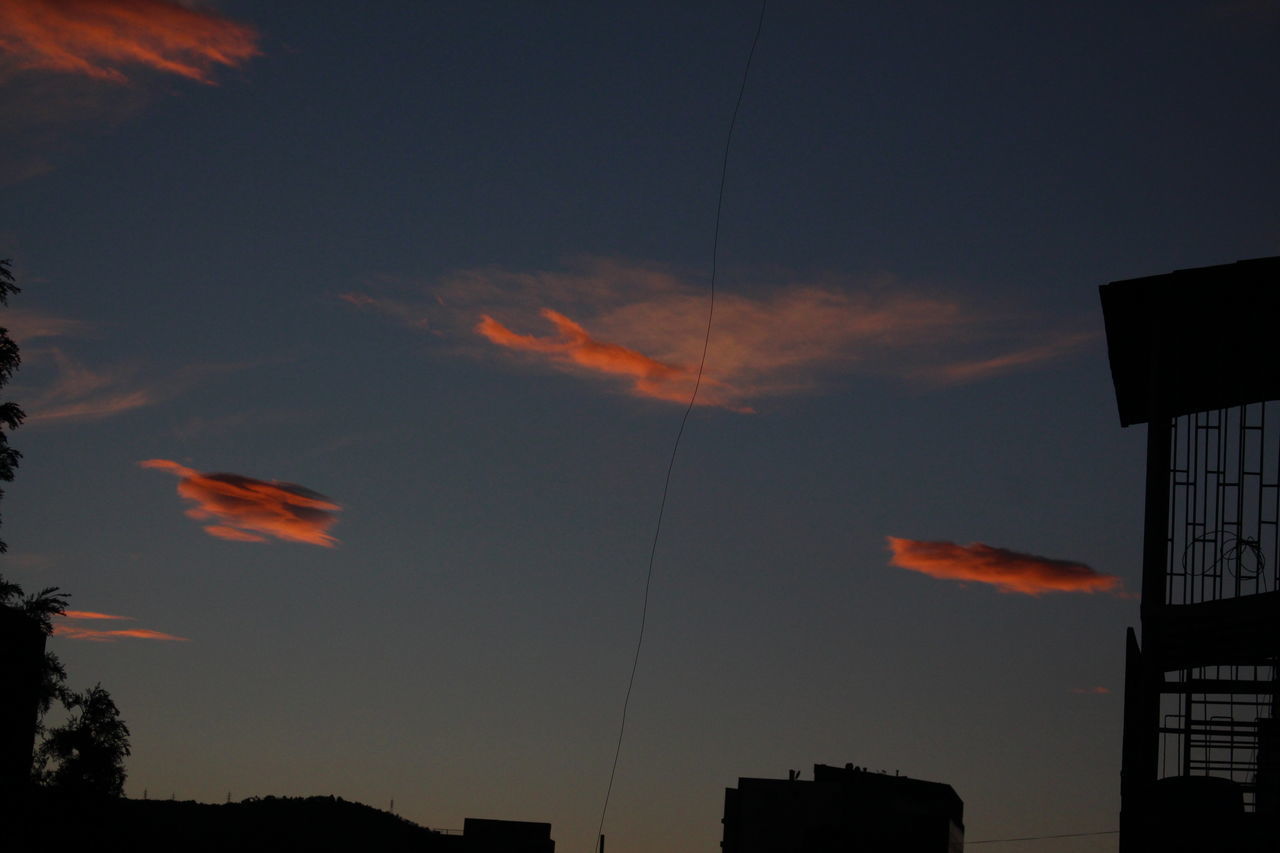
<point>98,38</point>
<point>66,626</point>
<point>1008,571</point>
<point>574,347</point>
<point>643,328</point>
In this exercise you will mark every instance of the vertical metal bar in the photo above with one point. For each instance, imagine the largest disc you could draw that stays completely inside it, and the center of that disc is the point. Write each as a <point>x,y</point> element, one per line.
<point>1156,535</point>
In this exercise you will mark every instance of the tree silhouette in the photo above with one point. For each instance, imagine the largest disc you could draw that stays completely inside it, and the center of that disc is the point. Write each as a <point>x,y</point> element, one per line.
<point>53,679</point>
<point>44,605</point>
<point>40,608</point>
<point>88,751</point>
<point>11,413</point>
<point>9,592</point>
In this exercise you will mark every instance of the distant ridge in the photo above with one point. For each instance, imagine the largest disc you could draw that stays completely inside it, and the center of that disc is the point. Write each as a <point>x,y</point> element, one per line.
<point>44,822</point>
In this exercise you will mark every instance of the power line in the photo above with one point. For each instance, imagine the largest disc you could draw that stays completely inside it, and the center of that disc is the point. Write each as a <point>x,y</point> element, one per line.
<point>1044,837</point>
<point>666,484</point>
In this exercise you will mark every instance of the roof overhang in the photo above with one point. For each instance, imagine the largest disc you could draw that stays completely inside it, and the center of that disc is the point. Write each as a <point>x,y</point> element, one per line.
<point>1194,340</point>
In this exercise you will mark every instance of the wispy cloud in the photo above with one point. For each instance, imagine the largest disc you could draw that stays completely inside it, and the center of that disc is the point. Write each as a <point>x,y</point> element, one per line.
<point>407,312</point>
<point>245,509</point>
<point>1093,691</point>
<point>25,325</point>
<point>75,632</point>
<point>91,614</point>
<point>640,329</point>
<point>73,69</point>
<point>59,388</point>
<point>31,561</point>
<point>969,371</point>
<point>49,116</point>
<point>1007,571</point>
<point>78,393</point>
<point>68,625</point>
<point>101,38</point>
<point>574,348</point>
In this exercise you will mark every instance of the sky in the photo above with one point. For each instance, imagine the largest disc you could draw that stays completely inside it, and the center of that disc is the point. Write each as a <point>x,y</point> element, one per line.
<point>356,338</point>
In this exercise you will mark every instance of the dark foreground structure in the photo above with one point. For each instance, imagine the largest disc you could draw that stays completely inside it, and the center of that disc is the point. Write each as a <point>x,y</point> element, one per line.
<point>22,642</point>
<point>843,810</point>
<point>39,821</point>
<point>1193,355</point>
<point>503,836</point>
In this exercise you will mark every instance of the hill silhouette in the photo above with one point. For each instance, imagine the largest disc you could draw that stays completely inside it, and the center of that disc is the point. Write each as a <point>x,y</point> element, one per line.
<point>48,820</point>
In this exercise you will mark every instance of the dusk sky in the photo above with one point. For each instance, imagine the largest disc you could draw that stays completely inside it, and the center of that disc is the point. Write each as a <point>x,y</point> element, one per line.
<point>356,336</point>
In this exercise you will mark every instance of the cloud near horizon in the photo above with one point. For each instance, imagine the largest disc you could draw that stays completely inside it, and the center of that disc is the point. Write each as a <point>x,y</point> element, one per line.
<point>66,626</point>
<point>641,329</point>
<point>244,509</point>
<point>1008,571</point>
<point>100,38</point>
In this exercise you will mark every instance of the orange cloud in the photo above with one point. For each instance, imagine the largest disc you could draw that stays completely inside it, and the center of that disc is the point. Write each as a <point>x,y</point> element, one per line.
<point>647,325</point>
<point>248,510</point>
<point>221,531</point>
<point>1098,691</point>
<point>89,614</point>
<point>75,632</point>
<point>98,38</point>
<point>1007,571</point>
<point>65,626</point>
<point>574,347</point>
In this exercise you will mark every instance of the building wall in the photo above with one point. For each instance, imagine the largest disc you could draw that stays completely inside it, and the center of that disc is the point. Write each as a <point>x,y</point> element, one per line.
<point>506,836</point>
<point>845,810</point>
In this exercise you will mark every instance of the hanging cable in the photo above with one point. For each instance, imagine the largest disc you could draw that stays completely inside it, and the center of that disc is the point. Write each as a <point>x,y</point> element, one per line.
<point>1044,837</point>
<point>693,398</point>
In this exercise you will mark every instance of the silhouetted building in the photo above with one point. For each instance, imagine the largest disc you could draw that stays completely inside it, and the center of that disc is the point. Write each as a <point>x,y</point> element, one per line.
<point>503,836</point>
<point>843,810</point>
<point>1193,355</point>
<point>21,669</point>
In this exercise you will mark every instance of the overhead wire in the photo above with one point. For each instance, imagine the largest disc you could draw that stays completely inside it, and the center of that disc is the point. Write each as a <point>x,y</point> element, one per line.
<point>684,420</point>
<point>1044,837</point>
<point>675,448</point>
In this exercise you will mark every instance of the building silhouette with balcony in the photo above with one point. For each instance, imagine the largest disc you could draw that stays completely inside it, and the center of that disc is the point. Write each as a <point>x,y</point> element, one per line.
<point>842,810</point>
<point>1193,357</point>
